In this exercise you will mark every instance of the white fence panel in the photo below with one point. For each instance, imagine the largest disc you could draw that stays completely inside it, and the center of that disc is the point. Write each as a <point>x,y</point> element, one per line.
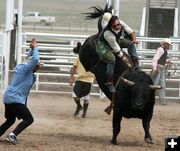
<point>57,55</point>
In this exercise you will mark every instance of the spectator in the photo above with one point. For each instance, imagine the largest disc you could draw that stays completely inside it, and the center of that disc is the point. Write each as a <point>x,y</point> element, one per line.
<point>83,82</point>
<point>158,68</point>
<point>16,94</point>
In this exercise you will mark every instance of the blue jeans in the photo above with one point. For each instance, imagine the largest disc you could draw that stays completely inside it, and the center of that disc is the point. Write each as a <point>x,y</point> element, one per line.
<point>132,50</point>
<point>126,43</point>
<point>110,71</point>
<point>161,80</point>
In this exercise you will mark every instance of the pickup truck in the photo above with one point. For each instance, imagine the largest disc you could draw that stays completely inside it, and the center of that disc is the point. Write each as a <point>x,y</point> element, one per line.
<point>37,18</point>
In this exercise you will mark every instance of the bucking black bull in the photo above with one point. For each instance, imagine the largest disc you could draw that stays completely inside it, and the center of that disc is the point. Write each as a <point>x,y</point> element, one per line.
<point>135,92</point>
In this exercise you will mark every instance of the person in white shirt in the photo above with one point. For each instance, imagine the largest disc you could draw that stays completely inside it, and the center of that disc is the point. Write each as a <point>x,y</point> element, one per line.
<point>113,34</point>
<point>126,37</point>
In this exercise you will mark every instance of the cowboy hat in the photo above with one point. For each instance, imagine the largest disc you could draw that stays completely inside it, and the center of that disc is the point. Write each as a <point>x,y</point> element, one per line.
<point>166,40</point>
<point>105,19</point>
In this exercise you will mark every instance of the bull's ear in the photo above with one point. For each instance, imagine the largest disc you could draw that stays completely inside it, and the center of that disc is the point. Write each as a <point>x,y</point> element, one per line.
<point>155,87</point>
<point>128,82</point>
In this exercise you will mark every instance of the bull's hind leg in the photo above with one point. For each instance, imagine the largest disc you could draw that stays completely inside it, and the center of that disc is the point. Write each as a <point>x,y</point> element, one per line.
<point>146,126</point>
<point>116,126</point>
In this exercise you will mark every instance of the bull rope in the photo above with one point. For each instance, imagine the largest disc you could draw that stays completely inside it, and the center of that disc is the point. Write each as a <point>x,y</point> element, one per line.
<point>96,64</point>
<point>121,77</point>
<point>109,108</point>
<point>117,84</point>
<point>168,67</point>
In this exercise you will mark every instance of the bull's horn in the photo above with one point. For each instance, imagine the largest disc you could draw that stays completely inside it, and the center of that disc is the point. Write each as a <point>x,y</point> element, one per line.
<point>131,83</point>
<point>155,87</point>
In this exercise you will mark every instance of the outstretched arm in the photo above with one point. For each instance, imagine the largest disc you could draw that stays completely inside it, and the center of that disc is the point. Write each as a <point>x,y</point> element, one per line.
<point>34,57</point>
<point>133,38</point>
<point>129,31</point>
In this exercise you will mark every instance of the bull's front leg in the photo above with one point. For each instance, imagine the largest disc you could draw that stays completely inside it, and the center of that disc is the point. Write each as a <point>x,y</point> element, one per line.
<point>146,126</point>
<point>116,125</point>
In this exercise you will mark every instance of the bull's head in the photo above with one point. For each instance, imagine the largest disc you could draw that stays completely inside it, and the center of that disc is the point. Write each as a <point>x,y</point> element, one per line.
<point>141,93</point>
<point>131,83</point>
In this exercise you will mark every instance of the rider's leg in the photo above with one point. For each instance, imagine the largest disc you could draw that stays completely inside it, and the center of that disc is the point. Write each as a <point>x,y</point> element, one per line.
<point>109,75</point>
<point>133,53</point>
<point>110,72</point>
<point>132,49</point>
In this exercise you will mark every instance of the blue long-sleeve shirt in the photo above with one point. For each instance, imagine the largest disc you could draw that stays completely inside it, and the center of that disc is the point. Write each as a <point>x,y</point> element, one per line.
<point>22,81</point>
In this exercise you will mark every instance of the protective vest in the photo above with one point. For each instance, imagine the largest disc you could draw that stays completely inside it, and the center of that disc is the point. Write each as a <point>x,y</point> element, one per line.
<point>162,59</point>
<point>102,47</point>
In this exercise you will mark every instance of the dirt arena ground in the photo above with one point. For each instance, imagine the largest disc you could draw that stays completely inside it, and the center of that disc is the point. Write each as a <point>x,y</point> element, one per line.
<point>55,128</point>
